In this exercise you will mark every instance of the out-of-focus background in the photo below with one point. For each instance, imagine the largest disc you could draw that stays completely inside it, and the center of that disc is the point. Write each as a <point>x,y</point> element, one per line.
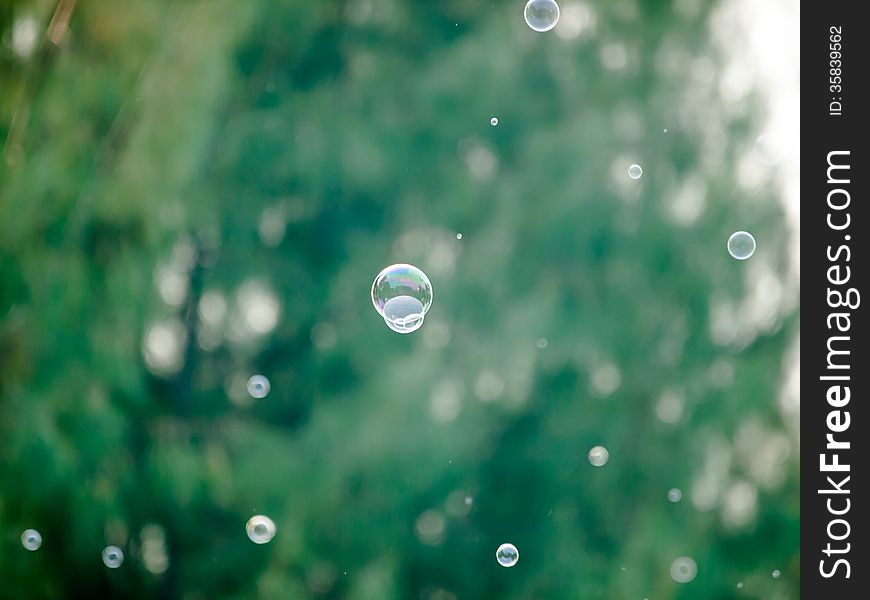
<point>193,192</point>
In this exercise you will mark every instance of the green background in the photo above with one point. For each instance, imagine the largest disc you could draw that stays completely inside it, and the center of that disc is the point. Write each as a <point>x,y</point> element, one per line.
<point>194,191</point>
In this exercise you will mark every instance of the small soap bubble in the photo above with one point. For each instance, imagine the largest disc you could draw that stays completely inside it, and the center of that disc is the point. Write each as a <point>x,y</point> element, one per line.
<point>739,585</point>
<point>776,574</point>
<point>507,555</point>
<point>684,569</point>
<point>493,121</point>
<point>599,456</point>
<point>741,245</point>
<point>31,539</point>
<point>635,171</point>
<point>541,15</point>
<point>458,236</point>
<point>258,386</point>
<point>675,494</point>
<point>112,557</point>
<point>261,529</point>
<point>402,294</point>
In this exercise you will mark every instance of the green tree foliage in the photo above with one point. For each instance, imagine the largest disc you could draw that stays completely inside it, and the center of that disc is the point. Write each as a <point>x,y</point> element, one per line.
<point>194,191</point>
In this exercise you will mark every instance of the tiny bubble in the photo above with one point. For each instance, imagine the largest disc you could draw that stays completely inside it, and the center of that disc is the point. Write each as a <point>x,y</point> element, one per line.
<point>260,529</point>
<point>507,555</point>
<point>258,386</point>
<point>848,237</point>
<point>776,574</point>
<point>31,539</point>
<point>599,456</point>
<point>493,121</point>
<point>541,15</point>
<point>113,557</point>
<point>458,236</point>
<point>741,245</point>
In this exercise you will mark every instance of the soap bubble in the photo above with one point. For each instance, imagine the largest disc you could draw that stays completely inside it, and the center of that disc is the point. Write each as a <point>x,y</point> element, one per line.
<point>675,495</point>
<point>599,456</point>
<point>739,585</point>
<point>541,15</point>
<point>741,245</point>
<point>261,529</point>
<point>493,121</point>
<point>507,555</point>
<point>258,386</point>
<point>31,539</point>
<point>683,569</point>
<point>402,294</point>
<point>113,557</point>
<point>776,574</point>
<point>635,171</point>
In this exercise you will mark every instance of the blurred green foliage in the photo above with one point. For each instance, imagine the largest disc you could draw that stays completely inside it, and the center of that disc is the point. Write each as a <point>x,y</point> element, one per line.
<point>194,191</point>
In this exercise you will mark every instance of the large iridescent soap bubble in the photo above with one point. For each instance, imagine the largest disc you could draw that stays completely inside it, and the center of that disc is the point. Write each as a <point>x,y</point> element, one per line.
<point>402,294</point>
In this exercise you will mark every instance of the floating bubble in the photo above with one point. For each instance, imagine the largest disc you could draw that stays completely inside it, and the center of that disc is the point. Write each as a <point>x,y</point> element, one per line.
<point>493,121</point>
<point>739,585</point>
<point>675,494</point>
<point>741,245</point>
<point>112,557</point>
<point>599,456</point>
<point>635,171</point>
<point>458,236</point>
<point>776,574</point>
<point>258,386</point>
<point>541,15</point>
<point>261,529</point>
<point>507,555</point>
<point>31,539</point>
<point>402,294</point>
<point>683,569</point>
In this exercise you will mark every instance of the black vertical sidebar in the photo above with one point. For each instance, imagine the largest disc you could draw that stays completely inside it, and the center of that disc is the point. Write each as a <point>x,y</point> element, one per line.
<point>835,421</point>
